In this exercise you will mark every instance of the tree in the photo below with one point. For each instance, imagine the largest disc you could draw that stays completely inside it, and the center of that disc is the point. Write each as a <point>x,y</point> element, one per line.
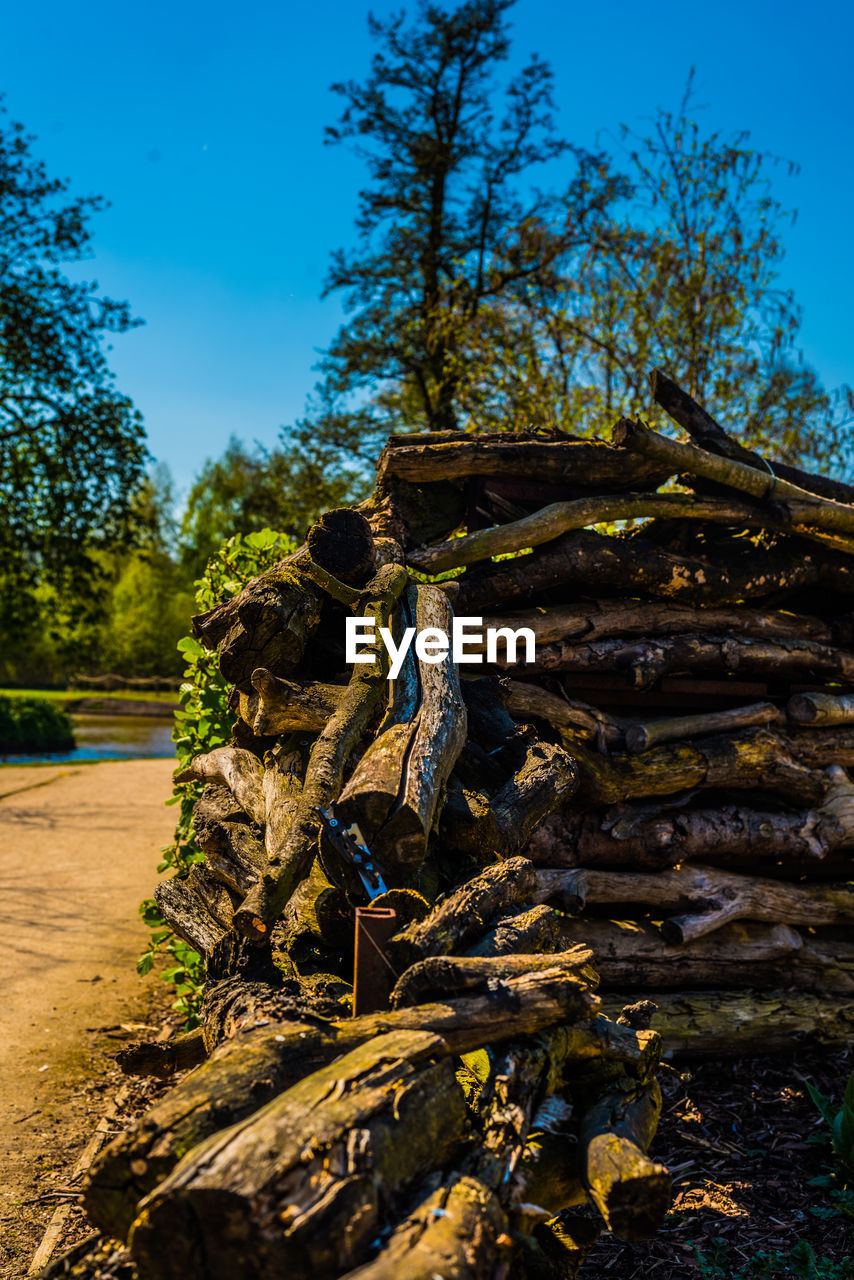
<point>72,448</point>
<point>444,230</point>
<point>684,273</point>
<point>244,491</point>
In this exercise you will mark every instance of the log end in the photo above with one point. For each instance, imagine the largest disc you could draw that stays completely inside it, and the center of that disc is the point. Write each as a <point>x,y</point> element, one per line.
<point>632,1193</point>
<point>342,543</point>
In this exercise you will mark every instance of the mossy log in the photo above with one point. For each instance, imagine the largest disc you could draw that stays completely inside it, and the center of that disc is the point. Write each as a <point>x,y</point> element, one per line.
<point>246,1072</point>
<point>754,759</point>
<point>275,617</point>
<point>235,768</point>
<point>648,838</point>
<point>442,975</point>
<point>710,897</point>
<point>646,661</point>
<point>291,1190</point>
<point>724,1023</point>
<point>458,1232</point>
<point>294,854</point>
<point>600,563</point>
<point>500,824</point>
<point>394,790</point>
<point>535,930</point>
<point>284,706</point>
<point>162,1059</point>
<point>632,1192</point>
<point>233,848</point>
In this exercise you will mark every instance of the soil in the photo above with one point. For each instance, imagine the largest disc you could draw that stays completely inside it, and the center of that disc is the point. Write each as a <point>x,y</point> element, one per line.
<point>79,847</point>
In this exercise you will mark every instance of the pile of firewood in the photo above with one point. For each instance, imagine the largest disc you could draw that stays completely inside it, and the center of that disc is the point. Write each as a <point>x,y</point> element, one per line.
<point>654,801</point>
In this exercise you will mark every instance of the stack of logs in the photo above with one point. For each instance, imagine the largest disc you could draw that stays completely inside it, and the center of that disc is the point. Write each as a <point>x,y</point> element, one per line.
<point>522,812</point>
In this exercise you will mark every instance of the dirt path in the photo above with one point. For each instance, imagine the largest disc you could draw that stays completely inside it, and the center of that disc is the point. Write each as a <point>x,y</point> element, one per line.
<point>79,847</point>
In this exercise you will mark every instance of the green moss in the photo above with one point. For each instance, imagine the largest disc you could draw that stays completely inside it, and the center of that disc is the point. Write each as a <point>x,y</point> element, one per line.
<point>33,725</point>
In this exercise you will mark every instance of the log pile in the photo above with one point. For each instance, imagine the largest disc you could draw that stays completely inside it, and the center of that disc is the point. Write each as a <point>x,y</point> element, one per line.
<point>653,802</point>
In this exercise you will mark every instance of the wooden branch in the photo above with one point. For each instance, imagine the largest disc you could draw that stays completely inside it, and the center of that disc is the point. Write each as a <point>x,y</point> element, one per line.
<point>723,897</point>
<point>535,930</point>
<point>631,1192</point>
<point>821,708</point>
<point>834,517</point>
<point>325,767</point>
<point>232,767</point>
<point>646,661</point>
<point>571,718</point>
<point>562,517</point>
<point>443,974</point>
<point>756,758</point>
<point>615,564</point>
<point>394,791</point>
<point>591,464</point>
<point>323,1193</point>
<point>640,737</point>
<point>650,837</point>
<point>246,1072</point>
<point>716,1024</point>
<point>457,1232</point>
<point>709,435</point>
<point>163,1059</point>
<point>500,825</point>
<point>196,907</point>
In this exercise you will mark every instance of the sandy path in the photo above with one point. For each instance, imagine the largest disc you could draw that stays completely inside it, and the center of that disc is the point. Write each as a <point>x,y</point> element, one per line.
<point>79,847</point>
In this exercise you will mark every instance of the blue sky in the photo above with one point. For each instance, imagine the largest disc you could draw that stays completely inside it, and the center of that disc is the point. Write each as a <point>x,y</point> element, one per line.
<point>202,123</point>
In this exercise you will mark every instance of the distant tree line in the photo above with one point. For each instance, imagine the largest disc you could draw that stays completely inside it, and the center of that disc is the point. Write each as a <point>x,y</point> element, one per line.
<point>501,277</point>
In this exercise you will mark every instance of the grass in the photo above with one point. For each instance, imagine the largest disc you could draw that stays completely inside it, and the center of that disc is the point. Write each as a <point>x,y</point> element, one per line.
<point>74,695</point>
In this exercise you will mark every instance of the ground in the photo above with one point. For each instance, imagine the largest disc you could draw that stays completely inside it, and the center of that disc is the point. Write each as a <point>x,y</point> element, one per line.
<point>79,847</point>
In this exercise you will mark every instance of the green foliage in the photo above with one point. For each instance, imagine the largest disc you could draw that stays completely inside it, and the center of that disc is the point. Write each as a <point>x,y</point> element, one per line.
<point>33,725</point>
<point>799,1262</point>
<point>71,447</point>
<point>202,723</point>
<point>841,1123</point>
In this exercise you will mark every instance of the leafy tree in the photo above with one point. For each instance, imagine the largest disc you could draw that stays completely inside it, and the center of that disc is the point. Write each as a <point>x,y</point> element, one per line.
<point>444,230</point>
<point>71,447</point>
<point>243,492</point>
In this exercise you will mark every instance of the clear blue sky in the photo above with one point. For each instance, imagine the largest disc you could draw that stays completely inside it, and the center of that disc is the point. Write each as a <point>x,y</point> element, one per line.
<point>203,122</point>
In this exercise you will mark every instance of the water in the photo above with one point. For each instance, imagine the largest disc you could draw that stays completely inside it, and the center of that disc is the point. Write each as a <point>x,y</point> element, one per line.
<point>111,738</point>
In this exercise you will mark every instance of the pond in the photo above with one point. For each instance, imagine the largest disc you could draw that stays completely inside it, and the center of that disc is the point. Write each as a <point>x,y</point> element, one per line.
<point>111,738</point>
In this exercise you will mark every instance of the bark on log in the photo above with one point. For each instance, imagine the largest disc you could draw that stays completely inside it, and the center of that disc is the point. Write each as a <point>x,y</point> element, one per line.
<point>274,622</point>
<point>501,824</point>
<point>620,565</point>
<point>394,791</point>
<point>754,759</point>
<point>458,1232</point>
<point>824,514</point>
<point>232,767</point>
<point>259,1198</point>
<point>162,1060</point>
<point>821,708</point>
<point>246,1072</point>
<point>640,737</point>
<point>571,718</point>
<point>646,661</point>
<point>325,768</point>
<point>591,464</point>
<point>234,850</point>
<point>631,1192</point>
<point>283,706</point>
<point>648,838</point>
<point>716,1024</point>
<point>196,907</point>
<point>525,932</point>
<point>440,975</point>
<point>709,435</point>
<point>723,897</point>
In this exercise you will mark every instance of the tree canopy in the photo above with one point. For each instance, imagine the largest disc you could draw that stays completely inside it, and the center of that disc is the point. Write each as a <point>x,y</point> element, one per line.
<point>72,448</point>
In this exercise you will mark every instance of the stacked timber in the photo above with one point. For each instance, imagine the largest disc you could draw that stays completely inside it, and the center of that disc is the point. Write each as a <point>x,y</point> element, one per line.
<point>650,798</point>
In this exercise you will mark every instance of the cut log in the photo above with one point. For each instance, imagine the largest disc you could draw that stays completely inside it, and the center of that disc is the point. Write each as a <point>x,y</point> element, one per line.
<point>163,1059</point>
<point>259,1198</point>
<point>274,619</point>
<point>266,900</point>
<point>717,1024</point>
<point>647,838</point>
<point>441,975</point>
<point>531,931</point>
<point>754,759</point>
<point>631,1192</point>
<point>821,708</point>
<point>722,896</point>
<point>232,767</point>
<point>234,850</point>
<point>246,1072</point>
<point>394,791</point>
<point>196,907</point>
<point>590,464</point>
<point>600,563</point>
<point>283,706</point>
<point>342,543</point>
<point>709,435</point>
<point>570,717</point>
<point>640,737</point>
<point>501,824</point>
<point>457,1232</point>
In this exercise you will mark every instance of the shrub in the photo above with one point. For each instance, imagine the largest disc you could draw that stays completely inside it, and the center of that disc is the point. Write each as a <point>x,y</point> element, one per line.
<point>32,725</point>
